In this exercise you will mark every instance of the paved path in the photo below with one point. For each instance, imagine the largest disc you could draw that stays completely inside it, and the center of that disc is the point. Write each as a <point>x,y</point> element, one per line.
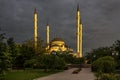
<point>84,74</point>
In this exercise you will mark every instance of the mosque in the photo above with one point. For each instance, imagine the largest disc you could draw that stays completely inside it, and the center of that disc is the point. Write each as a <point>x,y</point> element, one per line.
<point>58,44</point>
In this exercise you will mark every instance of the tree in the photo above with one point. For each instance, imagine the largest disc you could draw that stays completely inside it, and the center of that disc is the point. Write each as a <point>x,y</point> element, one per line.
<point>116,48</point>
<point>13,50</point>
<point>40,46</point>
<point>98,53</point>
<point>51,61</point>
<point>4,56</point>
<point>69,58</point>
<point>104,64</point>
<point>28,56</point>
<point>25,53</point>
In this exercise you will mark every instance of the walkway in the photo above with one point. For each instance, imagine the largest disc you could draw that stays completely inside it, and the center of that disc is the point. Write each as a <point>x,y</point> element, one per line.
<point>84,74</point>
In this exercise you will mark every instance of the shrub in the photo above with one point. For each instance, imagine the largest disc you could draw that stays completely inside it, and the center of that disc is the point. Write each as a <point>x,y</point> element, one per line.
<point>108,77</point>
<point>104,64</point>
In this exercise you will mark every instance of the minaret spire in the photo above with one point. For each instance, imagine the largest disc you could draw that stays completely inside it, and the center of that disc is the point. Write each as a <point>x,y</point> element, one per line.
<point>79,33</point>
<point>35,11</point>
<point>35,29</point>
<point>77,7</point>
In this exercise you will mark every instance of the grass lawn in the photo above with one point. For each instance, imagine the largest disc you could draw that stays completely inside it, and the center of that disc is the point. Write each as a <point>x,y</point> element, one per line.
<point>27,74</point>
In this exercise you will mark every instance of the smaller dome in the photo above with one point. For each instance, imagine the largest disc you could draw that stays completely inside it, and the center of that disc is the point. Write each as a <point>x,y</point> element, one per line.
<point>57,39</point>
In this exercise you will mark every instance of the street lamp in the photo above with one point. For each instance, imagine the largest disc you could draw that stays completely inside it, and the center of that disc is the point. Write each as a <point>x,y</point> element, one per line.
<point>94,56</point>
<point>115,53</point>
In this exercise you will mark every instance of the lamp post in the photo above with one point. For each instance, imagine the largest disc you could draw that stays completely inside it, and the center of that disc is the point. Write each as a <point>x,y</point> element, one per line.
<point>115,54</point>
<point>94,56</point>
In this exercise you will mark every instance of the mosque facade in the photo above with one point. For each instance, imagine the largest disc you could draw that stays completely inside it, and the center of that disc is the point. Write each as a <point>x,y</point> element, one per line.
<point>58,44</point>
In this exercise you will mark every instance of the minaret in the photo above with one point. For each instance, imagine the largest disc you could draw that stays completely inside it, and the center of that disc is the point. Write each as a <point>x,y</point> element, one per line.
<point>79,33</point>
<point>35,29</point>
<point>48,34</point>
<point>81,39</point>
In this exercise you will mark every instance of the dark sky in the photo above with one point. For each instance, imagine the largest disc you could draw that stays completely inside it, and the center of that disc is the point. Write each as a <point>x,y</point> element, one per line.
<point>100,19</point>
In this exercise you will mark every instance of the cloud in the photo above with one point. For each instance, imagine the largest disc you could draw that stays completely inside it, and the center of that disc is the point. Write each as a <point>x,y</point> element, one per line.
<point>100,20</point>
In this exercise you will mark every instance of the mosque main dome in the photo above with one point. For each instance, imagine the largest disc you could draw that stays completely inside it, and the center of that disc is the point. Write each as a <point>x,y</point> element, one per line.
<point>57,44</point>
<point>57,39</point>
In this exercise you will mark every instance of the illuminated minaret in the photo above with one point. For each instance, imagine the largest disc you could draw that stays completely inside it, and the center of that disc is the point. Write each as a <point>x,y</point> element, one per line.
<point>80,40</point>
<point>35,29</point>
<point>48,34</point>
<point>79,33</point>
